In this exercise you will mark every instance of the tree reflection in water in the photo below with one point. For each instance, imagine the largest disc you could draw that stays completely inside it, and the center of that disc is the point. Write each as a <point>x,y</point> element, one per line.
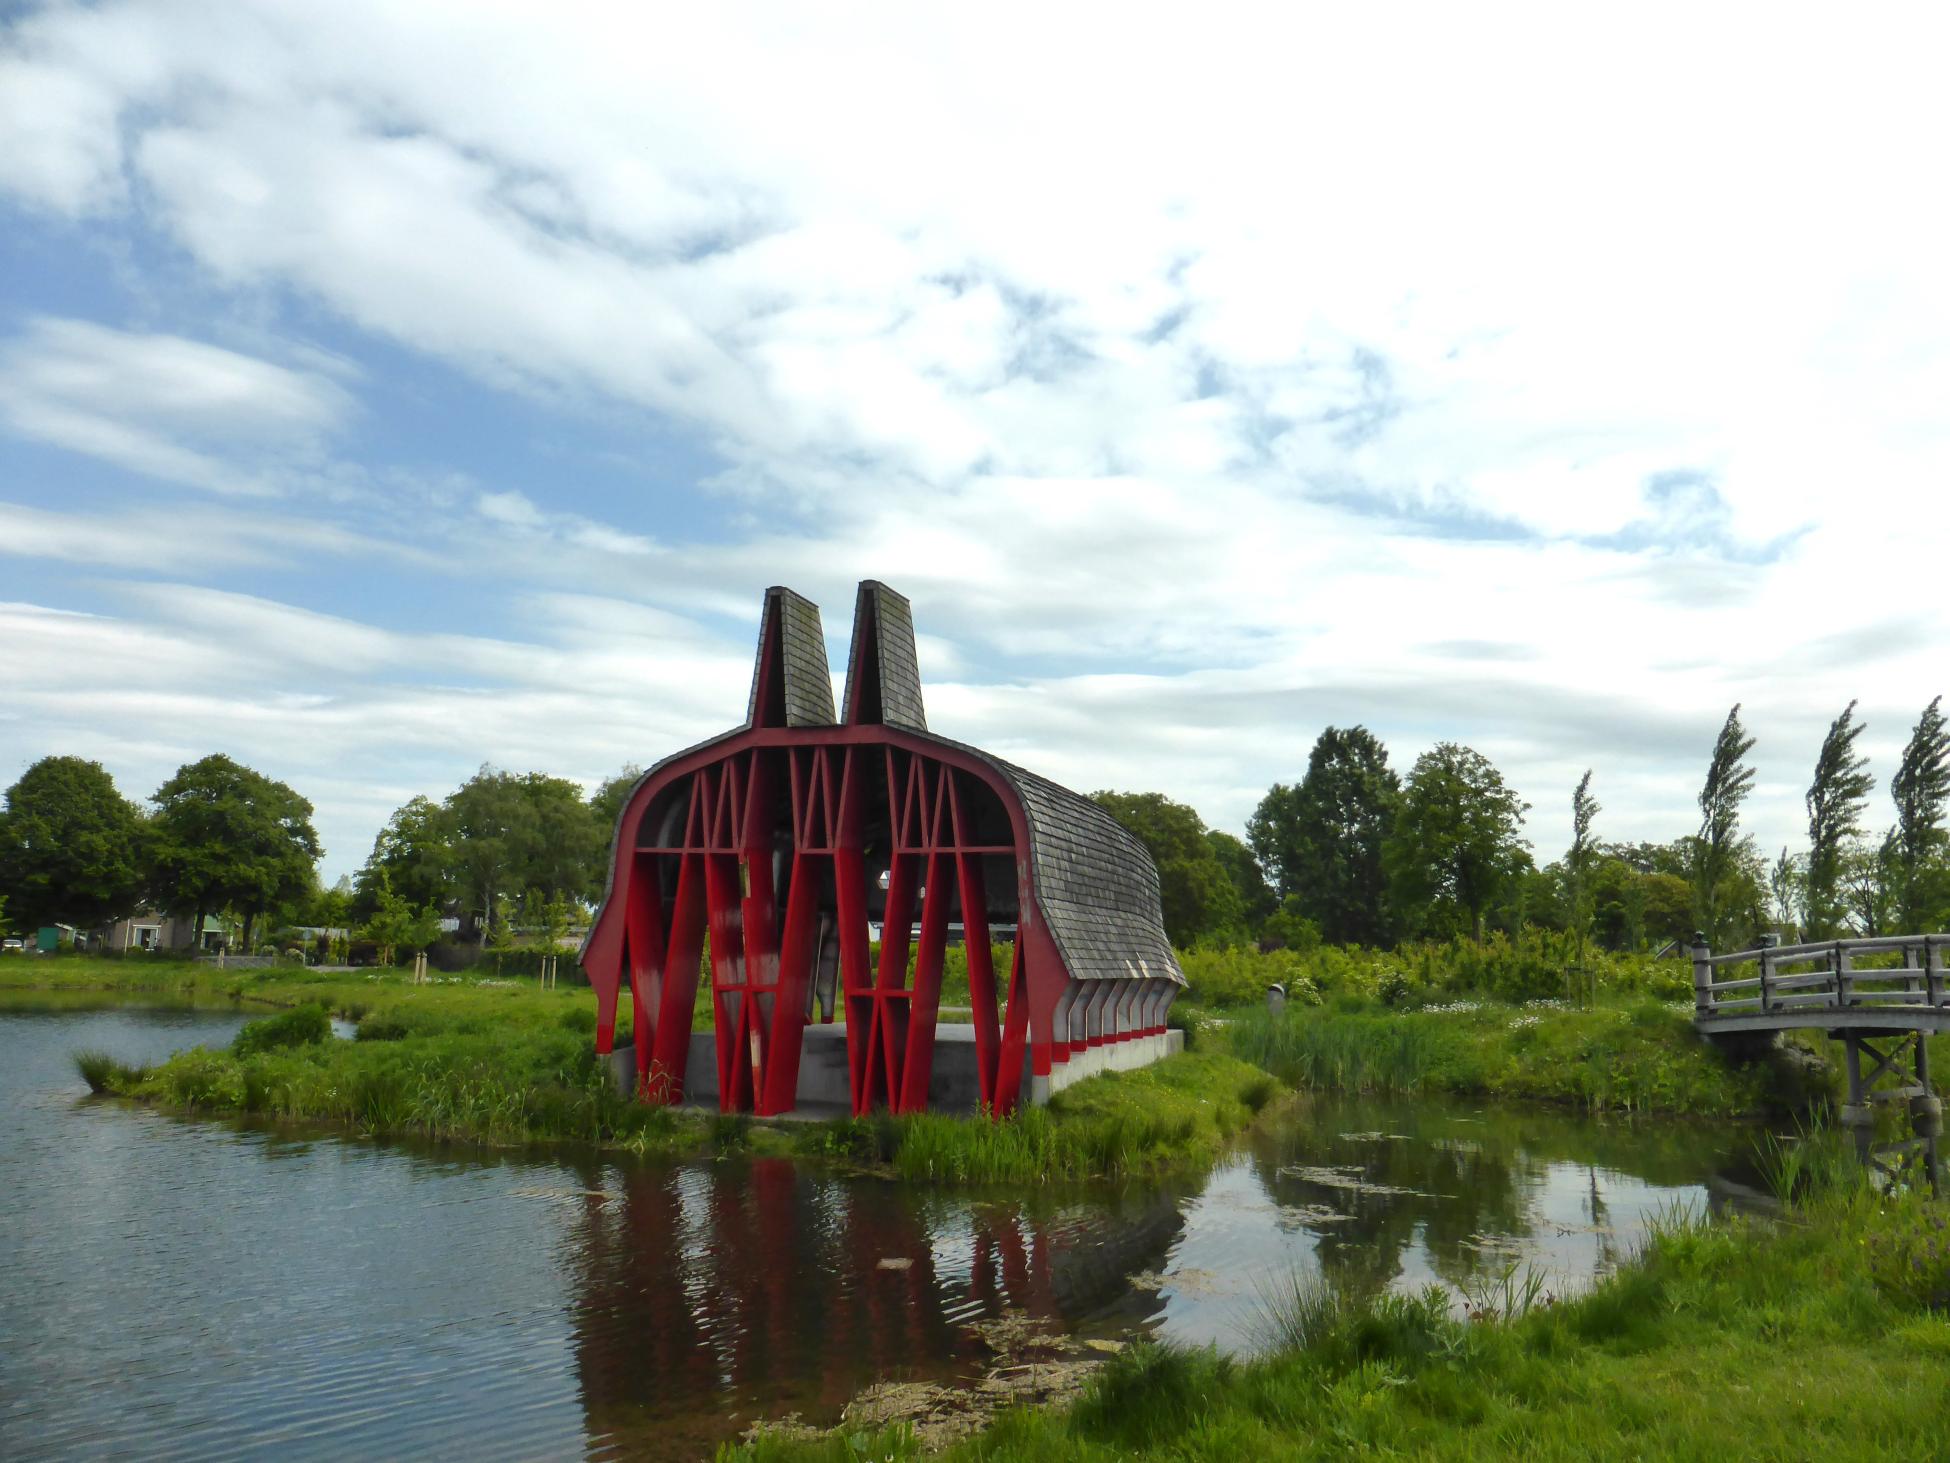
<point>707,1296</point>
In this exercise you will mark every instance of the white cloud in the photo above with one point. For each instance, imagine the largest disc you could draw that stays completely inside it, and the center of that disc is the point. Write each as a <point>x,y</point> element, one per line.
<point>170,408</point>
<point>1488,375</point>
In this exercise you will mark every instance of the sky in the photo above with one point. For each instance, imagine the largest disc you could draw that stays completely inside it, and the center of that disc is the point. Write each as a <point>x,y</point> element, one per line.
<point>386,389</point>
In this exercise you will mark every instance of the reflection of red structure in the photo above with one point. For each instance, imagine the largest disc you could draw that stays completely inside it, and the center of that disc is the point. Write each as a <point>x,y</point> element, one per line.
<point>784,840</point>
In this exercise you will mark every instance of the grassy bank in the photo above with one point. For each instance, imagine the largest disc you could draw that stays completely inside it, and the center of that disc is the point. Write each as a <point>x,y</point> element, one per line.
<point>1819,1337</point>
<point>1632,1055</point>
<point>501,1063</point>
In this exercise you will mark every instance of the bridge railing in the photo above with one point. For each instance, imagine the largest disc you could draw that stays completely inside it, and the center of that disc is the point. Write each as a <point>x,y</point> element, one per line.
<point>1823,975</point>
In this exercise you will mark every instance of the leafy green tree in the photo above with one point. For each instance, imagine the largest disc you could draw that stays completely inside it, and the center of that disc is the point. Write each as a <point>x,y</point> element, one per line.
<point>1322,840</point>
<point>1197,895</point>
<point>225,837</point>
<point>1921,788</point>
<point>1786,881</point>
<point>1869,876</point>
<point>606,802</point>
<point>563,856</point>
<point>1836,798</point>
<point>1456,845</point>
<point>501,930</point>
<point>413,854</point>
<point>1653,858</point>
<point>1719,848</point>
<point>491,826</point>
<point>396,925</point>
<point>1288,929</point>
<point>1256,898</point>
<point>71,846</point>
<point>1665,908</point>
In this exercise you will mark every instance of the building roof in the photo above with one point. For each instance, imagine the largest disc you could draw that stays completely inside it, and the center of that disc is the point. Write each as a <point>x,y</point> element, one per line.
<point>1093,880</point>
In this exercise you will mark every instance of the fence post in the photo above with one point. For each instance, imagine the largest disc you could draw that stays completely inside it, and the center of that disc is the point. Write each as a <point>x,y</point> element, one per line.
<point>1702,976</point>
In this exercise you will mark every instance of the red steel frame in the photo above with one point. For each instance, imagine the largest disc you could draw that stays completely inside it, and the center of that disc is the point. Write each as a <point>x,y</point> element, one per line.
<point>821,783</point>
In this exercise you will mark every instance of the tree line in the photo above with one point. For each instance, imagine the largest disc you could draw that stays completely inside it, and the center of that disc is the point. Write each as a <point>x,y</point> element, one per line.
<point>1355,854</point>
<point>219,838</point>
<point>1351,854</point>
<point>216,838</point>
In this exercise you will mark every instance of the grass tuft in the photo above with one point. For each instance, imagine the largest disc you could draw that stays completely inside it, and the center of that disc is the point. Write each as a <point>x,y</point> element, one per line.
<point>104,1073</point>
<point>301,1027</point>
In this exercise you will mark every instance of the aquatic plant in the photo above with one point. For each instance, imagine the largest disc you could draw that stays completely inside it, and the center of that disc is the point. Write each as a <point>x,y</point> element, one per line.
<point>1636,1056</point>
<point>104,1073</point>
<point>300,1027</point>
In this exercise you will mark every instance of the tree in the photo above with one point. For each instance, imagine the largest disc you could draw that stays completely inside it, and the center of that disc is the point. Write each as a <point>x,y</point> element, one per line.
<point>397,925</point>
<point>490,824</point>
<point>1836,798</point>
<point>606,802</point>
<point>1323,839</point>
<point>1920,788</point>
<point>1786,881</point>
<point>1577,862</point>
<point>413,854</point>
<point>563,857</point>
<point>70,846</point>
<point>1256,899</point>
<point>501,930</point>
<point>1197,895</point>
<point>1869,873</point>
<point>1717,849</point>
<point>1455,845</point>
<point>226,837</point>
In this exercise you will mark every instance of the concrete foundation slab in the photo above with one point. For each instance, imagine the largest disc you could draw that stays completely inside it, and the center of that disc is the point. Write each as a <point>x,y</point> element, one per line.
<point>825,1090</point>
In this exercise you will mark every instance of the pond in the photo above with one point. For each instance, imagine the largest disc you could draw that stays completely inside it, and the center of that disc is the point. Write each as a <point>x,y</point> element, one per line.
<point>192,1289</point>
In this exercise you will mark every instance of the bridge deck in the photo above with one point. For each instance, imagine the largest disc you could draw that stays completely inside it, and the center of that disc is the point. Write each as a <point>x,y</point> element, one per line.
<point>1889,984</point>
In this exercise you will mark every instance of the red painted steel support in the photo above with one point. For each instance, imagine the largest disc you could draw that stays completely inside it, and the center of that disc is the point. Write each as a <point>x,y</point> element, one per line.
<point>763,822</point>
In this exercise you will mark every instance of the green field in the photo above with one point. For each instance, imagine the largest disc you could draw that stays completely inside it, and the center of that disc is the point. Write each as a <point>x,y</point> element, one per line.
<point>501,1062</point>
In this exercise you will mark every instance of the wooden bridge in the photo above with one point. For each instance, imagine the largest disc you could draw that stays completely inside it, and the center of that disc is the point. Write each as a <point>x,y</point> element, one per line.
<point>1881,998</point>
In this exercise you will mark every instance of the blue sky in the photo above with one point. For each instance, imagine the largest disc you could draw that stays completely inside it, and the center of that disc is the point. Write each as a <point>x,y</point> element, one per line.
<point>389,389</point>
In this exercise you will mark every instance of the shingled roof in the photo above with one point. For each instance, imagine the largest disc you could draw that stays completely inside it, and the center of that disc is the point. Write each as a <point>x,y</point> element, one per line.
<point>883,675</point>
<point>1093,880</point>
<point>801,689</point>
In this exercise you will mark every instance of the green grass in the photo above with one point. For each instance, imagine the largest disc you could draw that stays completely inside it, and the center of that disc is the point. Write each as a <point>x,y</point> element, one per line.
<point>1116,1124</point>
<point>300,1026</point>
<point>1728,1340</point>
<point>1636,1055</point>
<point>500,1062</point>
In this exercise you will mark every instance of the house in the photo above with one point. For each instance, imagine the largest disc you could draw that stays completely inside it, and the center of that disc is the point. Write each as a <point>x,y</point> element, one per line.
<point>148,930</point>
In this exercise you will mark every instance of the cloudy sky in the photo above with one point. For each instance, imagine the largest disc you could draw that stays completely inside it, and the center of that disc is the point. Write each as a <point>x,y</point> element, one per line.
<point>388,388</point>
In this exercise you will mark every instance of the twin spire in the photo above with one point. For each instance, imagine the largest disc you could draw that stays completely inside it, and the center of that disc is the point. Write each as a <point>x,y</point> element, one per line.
<point>791,685</point>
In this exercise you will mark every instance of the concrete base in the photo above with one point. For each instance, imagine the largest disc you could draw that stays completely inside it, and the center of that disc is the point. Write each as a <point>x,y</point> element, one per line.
<point>1115,1056</point>
<point>825,1089</point>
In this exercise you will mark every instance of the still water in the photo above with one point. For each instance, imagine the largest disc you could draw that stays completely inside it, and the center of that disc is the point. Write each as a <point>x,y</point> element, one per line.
<point>184,1289</point>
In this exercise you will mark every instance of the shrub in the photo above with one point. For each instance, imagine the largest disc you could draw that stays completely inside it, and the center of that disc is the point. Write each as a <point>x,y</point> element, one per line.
<point>298,1027</point>
<point>104,1073</point>
<point>1907,1245</point>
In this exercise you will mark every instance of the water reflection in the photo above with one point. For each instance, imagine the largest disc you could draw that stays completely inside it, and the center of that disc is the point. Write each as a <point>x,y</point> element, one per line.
<point>178,1288</point>
<point>757,1289</point>
<point>1382,1194</point>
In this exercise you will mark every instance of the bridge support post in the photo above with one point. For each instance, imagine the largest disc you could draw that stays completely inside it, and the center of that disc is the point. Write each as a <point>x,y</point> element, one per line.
<point>1857,1115</point>
<point>1926,1114</point>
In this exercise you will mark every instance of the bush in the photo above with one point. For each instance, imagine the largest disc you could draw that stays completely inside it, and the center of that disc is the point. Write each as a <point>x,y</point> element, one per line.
<point>299,1027</point>
<point>1908,1249</point>
<point>103,1073</point>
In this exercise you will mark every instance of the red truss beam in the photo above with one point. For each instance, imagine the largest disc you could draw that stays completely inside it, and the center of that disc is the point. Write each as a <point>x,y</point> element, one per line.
<point>777,829</point>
